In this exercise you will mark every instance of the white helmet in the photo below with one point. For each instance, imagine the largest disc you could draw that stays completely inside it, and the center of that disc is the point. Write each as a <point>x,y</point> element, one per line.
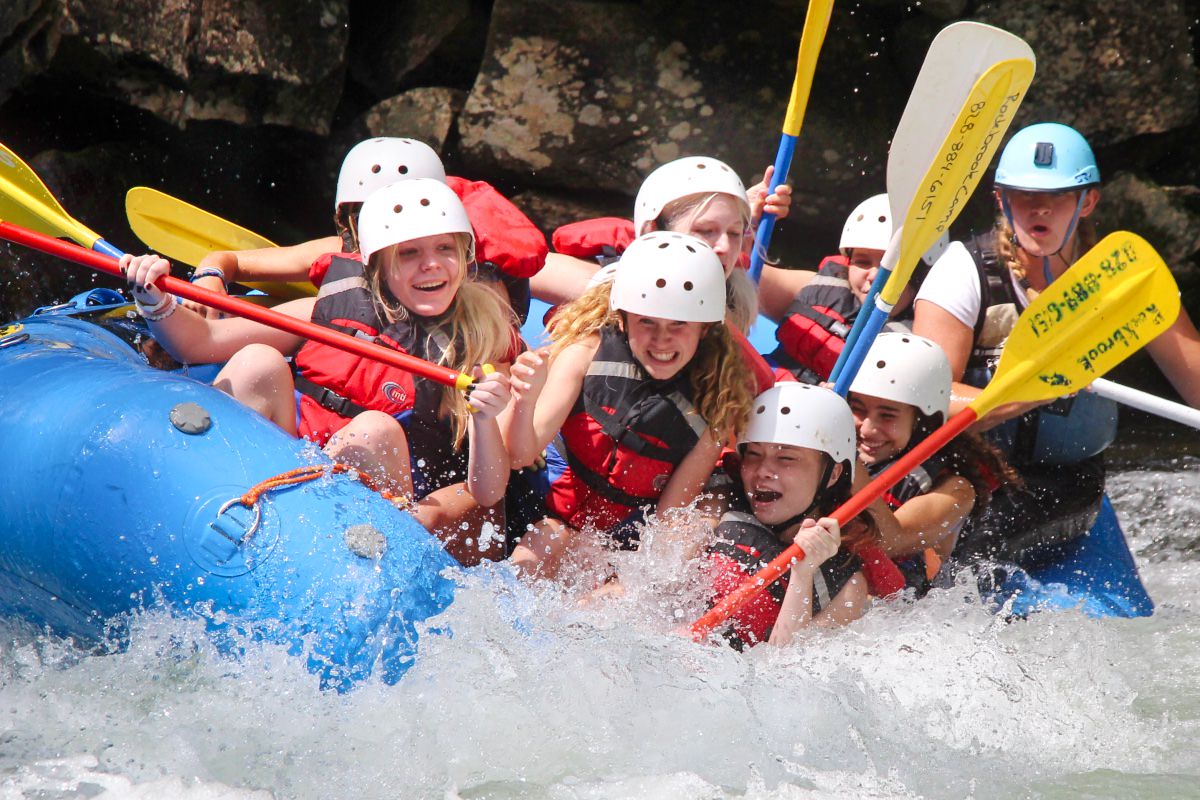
<point>906,368</point>
<point>670,276</point>
<point>681,178</point>
<point>374,163</point>
<point>804,416</point>
<point>869,226</point>
<point>409,210</point>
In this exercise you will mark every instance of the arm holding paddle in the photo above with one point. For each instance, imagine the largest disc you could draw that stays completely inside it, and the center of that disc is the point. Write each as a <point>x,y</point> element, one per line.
<point>819,541</point>
<point>189,336</point>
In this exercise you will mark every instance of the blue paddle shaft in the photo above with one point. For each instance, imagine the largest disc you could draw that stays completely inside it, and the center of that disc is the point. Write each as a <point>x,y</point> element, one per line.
<point>875,322</point>
<point>860,323</point>
<point>762,237</point>
<point>102,246</point>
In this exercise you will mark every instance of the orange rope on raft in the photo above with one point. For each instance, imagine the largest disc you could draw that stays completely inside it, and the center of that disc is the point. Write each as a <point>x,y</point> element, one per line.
<point>304,474</point>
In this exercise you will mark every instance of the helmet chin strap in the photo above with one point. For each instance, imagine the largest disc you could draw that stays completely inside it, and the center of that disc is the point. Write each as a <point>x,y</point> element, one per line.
<point>1006,207</point>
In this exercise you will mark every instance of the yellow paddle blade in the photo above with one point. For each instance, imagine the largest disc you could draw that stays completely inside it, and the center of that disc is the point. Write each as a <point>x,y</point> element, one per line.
<point>25,201</point>
<point>816,23</point>
<point>1106,307</point>
<point>184,232</point>
<point>959,165</point>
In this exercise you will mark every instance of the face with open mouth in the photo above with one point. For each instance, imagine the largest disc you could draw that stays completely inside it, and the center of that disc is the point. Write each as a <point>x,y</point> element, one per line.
<point>424,274</point>
<point>884,427</point>
<point>662,346</point>
<point>780,479</point>
<point>1042,220</point>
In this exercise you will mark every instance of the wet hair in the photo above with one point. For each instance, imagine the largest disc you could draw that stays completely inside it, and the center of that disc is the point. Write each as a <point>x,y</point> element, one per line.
<point>717,374</point>
<point>480,326</point>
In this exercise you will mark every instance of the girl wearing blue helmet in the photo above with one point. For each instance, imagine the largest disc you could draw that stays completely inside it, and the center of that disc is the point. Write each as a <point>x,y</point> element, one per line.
<point>1047,186</point>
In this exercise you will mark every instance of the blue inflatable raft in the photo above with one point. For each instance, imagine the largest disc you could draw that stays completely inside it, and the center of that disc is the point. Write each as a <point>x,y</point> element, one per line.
<point>121,492</point>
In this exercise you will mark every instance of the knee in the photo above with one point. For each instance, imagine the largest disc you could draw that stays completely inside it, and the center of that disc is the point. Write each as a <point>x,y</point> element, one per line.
<point>256,364</point>
<point>376,430</point>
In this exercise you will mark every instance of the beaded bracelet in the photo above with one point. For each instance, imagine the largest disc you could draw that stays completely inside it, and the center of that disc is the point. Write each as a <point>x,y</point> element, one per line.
<point>206,272</point>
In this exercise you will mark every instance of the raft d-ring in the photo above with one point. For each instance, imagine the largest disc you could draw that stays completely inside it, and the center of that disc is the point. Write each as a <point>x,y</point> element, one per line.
<point>237,501</point>
<point>11,339</point>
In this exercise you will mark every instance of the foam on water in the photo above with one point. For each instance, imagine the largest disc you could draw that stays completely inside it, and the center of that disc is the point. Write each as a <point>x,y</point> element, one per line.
<point>535,697</point>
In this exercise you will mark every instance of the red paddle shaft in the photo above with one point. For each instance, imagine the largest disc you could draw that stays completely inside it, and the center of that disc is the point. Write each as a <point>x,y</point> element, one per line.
<point>241,308</point>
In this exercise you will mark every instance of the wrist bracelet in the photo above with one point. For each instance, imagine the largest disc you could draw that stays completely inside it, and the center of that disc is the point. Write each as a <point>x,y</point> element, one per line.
<point>205,272</point>
<point>160,311</point>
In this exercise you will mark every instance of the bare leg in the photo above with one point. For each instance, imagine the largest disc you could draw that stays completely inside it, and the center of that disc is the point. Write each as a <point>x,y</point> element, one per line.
<point>778,287</point>
<point>452,515</point>
<point>258,376</point>
<point>375,443</point>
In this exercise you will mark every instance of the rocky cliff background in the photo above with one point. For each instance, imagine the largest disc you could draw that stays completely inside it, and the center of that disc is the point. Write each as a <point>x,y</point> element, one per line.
<point>245,107</point>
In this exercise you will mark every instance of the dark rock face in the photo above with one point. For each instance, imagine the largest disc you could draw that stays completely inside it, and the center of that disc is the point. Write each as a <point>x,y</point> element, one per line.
<point>247,62</point>
<point>1091,54</point>
<point>246,107</point>
<point>29,33</point>
<point>596,95</point>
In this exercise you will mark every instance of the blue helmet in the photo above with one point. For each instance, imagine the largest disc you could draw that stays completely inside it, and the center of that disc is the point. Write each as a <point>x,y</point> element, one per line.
<point>1047,157</point>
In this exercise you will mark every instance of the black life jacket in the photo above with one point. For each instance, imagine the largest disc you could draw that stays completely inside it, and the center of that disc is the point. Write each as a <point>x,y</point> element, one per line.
<point>815,326</point>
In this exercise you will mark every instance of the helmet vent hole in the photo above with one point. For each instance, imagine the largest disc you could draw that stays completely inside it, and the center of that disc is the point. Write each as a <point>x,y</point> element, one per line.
<point>664,245</point>
<point>882,218</point>
<point>880,364</point>
<point>397,208</point>
<point>785,410</point>
<point>690,249</point>
<point>425,201</point>
<point>403,169</point>
<point>760,409</point>
<point>701,166</point>
<point>375,168</point>
<point>660,283</point>
<point>687,286</point>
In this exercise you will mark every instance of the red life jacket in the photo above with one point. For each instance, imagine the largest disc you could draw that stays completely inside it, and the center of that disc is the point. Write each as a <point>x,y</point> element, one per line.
<point>503,235</point>
<point>600,238</point>
<point>744,546</point>
<point>918,569</point>
<point>343,384</point>
<point>623,439</point>
<point>816,324</point>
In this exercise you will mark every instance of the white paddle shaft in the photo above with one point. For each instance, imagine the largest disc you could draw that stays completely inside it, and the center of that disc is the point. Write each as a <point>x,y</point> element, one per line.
<point>1144,401</point>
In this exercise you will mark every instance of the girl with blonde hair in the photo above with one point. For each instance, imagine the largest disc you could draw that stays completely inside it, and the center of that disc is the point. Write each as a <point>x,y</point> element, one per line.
<point>643,386</point>
<point>409,292</point>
